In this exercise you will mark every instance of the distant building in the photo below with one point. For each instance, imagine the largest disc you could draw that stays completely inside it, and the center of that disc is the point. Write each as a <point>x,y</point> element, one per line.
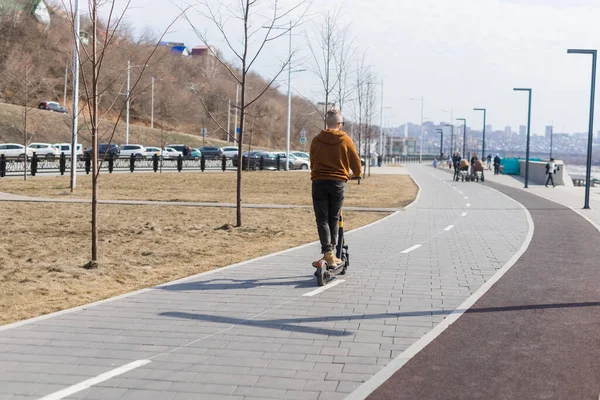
<point>508,132</point>
<point>548,131</point>
<point>488,129</point>
<point>522,130</point>
<point>397,146</point>
<point>177,48</point>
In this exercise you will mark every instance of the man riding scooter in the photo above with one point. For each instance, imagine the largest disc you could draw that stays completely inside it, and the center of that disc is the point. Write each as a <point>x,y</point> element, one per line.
<point>332,156</point>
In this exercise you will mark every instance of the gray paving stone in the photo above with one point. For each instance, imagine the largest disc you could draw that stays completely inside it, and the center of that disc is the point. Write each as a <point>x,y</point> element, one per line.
<point>387,302</point>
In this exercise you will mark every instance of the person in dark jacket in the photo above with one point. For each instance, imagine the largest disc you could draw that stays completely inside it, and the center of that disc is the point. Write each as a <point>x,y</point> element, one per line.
<point>456,163</point>
<point>497,162</point>
<point>473,159</point>
<point>489,162</point>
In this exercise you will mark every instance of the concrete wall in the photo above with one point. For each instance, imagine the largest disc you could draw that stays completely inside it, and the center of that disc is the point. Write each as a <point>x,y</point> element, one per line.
<point>537,173</point>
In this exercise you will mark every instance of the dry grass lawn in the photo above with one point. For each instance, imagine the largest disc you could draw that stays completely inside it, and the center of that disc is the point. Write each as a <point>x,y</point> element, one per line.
<point>44,247</point>
<point>258,188</point>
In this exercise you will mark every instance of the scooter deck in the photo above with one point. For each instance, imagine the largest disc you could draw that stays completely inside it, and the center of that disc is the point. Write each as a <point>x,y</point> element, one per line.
<point>325,275</point>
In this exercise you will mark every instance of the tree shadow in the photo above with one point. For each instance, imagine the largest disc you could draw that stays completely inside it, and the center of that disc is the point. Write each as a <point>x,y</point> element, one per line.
<point>228,283</point>
<point>292,324</point>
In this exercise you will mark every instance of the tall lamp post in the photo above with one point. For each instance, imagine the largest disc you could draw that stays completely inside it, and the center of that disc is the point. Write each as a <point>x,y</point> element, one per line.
<point>464,120</point>
<point>441,131</point>
<point>74,121</point>
<point>528,134</point>
<point>289,95</point>
<point>588,172</point>
<point>422,100</point>
<point>484,118</point>
<point>451,139</point>
<point>128,98</point>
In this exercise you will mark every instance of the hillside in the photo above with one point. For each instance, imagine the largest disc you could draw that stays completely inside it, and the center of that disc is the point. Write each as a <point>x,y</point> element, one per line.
<point>49,127</point>
<point>188,92</point>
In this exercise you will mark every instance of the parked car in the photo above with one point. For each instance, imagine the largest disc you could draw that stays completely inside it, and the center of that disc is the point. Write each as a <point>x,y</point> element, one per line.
<point>52,106</point>
<point>229,151</point>
<point>211,152</point>
<point>186,151</point>
<point>137,150</point>
<point>295,162</point>
<point>169,152</point>
<point>301,154</point>
<point>104,149</point>
<point>15,150</point>
<point>151,151</point>
<point>253,159</point>
<point>44,150</point>
<point>196,154</point>
<point>66,148</point>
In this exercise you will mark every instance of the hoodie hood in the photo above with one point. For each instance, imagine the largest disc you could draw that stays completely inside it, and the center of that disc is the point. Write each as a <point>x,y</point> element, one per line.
<point>331,136</point>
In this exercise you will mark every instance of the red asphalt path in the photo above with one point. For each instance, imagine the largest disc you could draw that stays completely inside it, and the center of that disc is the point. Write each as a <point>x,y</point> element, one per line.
<point>534,335</point>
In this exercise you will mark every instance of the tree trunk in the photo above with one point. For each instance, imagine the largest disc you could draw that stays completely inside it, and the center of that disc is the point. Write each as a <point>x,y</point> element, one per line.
<point>94,123</point>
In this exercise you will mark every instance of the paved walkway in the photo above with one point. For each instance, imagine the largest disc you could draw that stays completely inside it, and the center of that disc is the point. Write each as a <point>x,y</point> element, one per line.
<point>534,334</point>
<point>263,329</point>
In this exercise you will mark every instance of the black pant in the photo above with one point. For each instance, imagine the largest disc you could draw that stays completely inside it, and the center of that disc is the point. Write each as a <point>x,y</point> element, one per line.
<point>550,179</point>
<point>496,169</point>
<point>328,198</point>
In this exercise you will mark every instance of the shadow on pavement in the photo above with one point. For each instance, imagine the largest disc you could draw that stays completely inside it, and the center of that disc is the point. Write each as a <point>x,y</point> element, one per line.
<point>223,284</point>
<point>291,323</point>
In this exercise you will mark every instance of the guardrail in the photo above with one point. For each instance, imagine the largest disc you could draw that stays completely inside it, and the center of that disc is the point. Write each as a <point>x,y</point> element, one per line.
<point>35,165</point>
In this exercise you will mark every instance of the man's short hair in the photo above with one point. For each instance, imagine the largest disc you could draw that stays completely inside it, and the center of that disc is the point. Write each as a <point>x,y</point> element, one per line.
<point>334,117</point>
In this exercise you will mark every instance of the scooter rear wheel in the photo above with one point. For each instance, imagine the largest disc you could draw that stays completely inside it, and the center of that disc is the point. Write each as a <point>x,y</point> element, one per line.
<point>320,274</point>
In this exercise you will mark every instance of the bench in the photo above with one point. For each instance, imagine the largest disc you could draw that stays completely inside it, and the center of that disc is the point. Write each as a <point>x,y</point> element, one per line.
<point>579,180</point>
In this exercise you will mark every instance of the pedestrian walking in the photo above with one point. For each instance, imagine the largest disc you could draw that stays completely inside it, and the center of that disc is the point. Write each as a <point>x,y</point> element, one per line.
<point>497,162</point>
<point>456,163</point>
<point>379,160</point>
<point>550,171</point>
<point>489,162</point>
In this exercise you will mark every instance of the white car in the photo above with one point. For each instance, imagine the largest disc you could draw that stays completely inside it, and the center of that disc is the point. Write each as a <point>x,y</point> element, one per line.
<point>301,154</point>
<point>229,152</point>
<point>169,152</point>
<point>44,150</point>
<point>66,148</point>
<point>137,150</point>
<point>15,150</point>
<point>151,151</point>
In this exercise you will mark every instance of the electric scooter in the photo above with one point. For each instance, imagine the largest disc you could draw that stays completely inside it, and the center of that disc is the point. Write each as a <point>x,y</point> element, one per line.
<point>324,272</point>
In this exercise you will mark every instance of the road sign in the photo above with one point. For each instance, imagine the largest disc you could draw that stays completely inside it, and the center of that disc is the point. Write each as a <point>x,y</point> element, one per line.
<point>237,130</point>
<point>303,133</point>
<point>203,132</point>
<point>303,139</point>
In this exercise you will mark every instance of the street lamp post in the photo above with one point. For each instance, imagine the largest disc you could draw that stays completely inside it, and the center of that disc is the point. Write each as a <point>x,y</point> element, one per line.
<point>152,117</point>
<point>289,96</point>
<point>528,135</point>
<point>75,121</point>
<point>422,100</point>
<point>451,139</point>
<point>551,134</point>
<point>441,131</point>
<point>464,120</point>
<point>128,98</point>
<point>588,172</point>
<point>484,118</point>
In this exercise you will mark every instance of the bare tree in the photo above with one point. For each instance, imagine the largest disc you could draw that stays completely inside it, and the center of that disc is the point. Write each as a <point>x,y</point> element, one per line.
<point>323,50</point>
<point>259,22</point>
<point>23,81</point>
<point>97,86</point>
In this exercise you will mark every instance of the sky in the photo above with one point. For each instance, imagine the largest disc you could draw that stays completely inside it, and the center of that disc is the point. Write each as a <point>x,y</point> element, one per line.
<point>457,54</point>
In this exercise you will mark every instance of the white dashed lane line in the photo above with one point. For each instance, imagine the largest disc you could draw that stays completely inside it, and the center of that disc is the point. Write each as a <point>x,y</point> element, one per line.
<point>464,214</point>
<point>416,246</point>
<point>449,228</point>
<point>324,288</point>
<point>468,204</point>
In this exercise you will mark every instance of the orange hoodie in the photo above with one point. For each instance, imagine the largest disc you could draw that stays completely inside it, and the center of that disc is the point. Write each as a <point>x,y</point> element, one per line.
<point>332,156</point>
